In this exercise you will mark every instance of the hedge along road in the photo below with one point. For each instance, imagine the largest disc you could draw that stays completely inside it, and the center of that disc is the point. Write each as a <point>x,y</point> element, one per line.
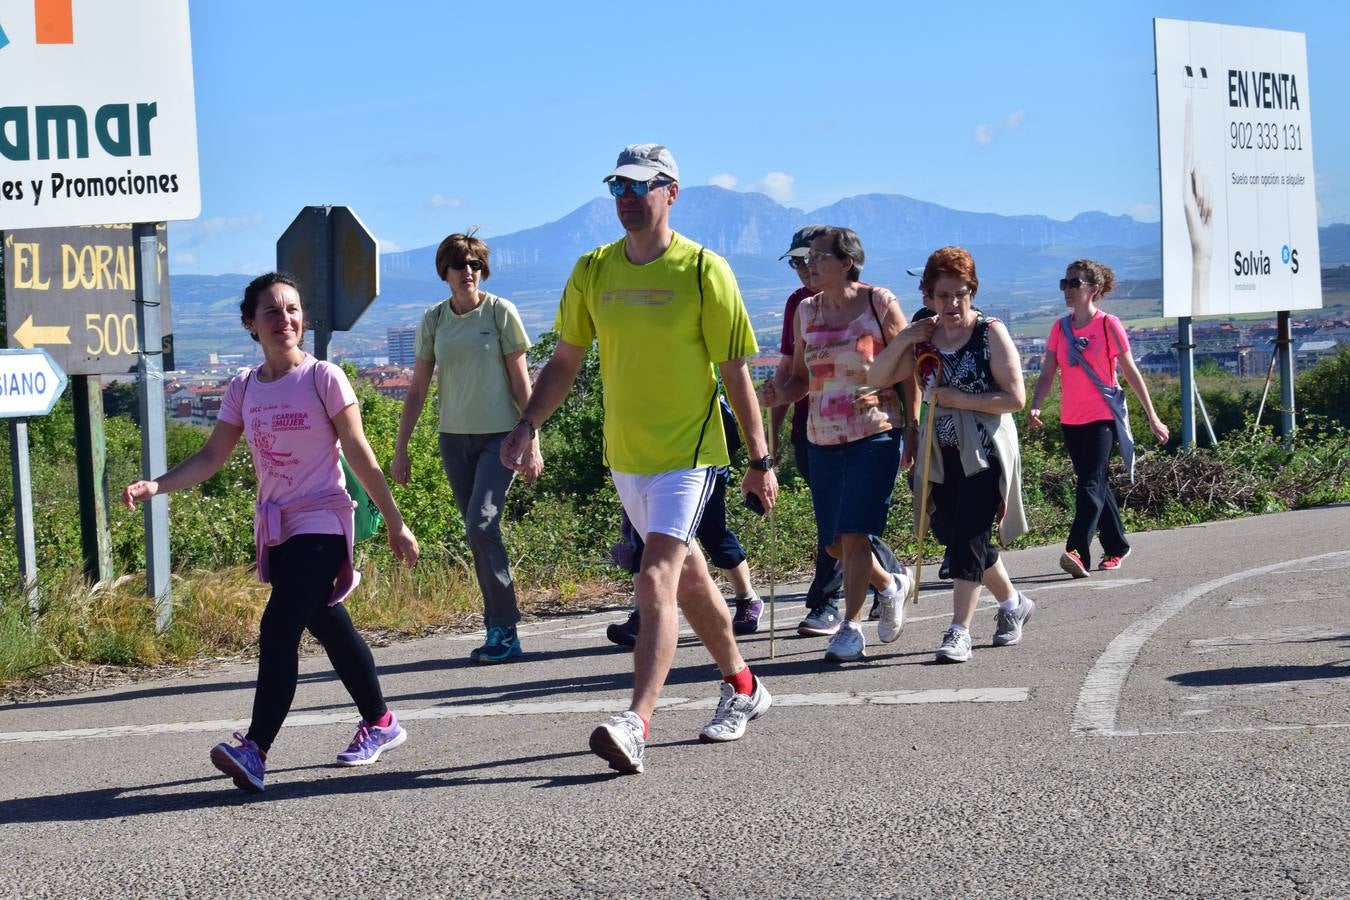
<point>1178,726</point>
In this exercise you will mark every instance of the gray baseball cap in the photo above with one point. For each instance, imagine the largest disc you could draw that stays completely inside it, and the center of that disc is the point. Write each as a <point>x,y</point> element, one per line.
<point>643,162</point>
<point>801,241</point>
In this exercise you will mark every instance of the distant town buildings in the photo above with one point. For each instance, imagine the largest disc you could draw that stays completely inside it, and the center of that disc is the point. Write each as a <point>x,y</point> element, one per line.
<point>401,345</point>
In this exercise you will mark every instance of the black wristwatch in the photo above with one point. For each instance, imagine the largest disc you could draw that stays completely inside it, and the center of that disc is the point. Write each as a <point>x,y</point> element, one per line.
<point>763,464</point>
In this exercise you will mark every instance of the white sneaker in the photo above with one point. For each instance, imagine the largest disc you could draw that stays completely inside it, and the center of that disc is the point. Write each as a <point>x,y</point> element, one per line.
<point>893,609</point>
<point>847,644</point>
<point>620,743</point>
<point>734,712</point>
<point>955,646</point>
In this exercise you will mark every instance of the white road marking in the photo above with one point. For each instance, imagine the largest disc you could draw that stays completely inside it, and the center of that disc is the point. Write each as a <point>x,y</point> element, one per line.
<point>590,707</point>
<point>1099,697</point>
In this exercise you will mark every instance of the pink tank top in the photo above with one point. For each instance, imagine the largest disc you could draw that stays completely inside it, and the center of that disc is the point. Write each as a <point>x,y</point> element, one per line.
<point>837,360</point>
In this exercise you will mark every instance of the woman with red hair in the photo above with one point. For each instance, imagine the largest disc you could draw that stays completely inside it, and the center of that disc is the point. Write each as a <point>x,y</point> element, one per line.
<point>973,465</point>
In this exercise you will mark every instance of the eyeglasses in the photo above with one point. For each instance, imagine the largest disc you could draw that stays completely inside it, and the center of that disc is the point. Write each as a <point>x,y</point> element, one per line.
<point>618,186</point>
<point>1072,284</point>
<point>818,255</point>
<point>960,296</point>
<point>475,264</point>
<point>797,262</point>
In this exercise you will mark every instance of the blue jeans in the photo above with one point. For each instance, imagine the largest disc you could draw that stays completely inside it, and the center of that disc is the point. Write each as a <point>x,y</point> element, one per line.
<point>828,580</point>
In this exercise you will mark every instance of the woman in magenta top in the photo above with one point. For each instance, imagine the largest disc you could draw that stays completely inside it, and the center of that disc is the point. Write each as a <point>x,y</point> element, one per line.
<point>296,412</point>
<point>1088,423</point>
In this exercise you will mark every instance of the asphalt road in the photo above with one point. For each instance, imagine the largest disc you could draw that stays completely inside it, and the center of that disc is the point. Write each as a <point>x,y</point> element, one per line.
<point>1180,727</point>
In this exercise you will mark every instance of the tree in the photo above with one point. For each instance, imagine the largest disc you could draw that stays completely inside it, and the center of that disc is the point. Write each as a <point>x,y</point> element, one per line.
<point>573,440</point>
<point>1324,390</point>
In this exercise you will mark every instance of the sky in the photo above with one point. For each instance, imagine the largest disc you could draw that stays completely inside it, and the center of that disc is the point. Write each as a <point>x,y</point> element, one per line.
<point>429,117</point>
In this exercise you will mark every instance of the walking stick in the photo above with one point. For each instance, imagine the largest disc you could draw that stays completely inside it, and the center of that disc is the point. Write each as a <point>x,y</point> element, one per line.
<point>929,364</point>
<point>767,413</point>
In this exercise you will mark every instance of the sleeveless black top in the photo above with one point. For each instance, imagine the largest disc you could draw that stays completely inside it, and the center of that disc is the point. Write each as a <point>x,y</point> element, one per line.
<point>967,369</point>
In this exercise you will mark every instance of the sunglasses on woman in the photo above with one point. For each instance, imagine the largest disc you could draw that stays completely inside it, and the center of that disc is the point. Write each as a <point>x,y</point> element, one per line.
<point>475,264</point>
<point>1072,284</point>
<point>618,186</point>
<point>797,262</point>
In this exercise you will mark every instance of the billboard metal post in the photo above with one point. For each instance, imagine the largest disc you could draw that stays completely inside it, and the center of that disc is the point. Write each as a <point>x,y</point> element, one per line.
<point>1186,366</point>
<point>1286,348</point>
<point>23,509</point>
<point>154,457</point>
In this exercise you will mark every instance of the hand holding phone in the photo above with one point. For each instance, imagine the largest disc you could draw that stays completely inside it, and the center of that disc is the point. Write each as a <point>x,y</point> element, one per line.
<point>754,504</point>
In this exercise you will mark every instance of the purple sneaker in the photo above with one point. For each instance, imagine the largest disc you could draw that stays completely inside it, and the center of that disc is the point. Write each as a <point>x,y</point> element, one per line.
<point>243,763</point>
<point>748,611</point>
<point>370,741</point>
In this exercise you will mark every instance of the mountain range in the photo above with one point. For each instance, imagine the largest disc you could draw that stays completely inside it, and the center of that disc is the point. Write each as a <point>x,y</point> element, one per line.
<point>1020,259</point>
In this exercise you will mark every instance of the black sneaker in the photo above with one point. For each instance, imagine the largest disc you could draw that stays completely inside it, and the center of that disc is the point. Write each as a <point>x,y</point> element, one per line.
<point>624,633</point>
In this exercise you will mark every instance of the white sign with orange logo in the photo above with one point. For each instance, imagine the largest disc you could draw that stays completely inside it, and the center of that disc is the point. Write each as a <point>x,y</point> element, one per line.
<point>97,122</point>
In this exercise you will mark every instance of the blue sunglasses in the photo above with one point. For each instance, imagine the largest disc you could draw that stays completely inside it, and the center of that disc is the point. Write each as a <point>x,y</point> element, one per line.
<point>618,186</point>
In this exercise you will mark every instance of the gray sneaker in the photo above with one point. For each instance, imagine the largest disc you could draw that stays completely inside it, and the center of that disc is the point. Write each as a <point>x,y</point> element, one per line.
<point>847,645</point>
<point>620,743</point>
<point>892,618</point>
<point>955,647</point>
<point>1008,625</point>
<point>821,622</point>
<point>734,712</point>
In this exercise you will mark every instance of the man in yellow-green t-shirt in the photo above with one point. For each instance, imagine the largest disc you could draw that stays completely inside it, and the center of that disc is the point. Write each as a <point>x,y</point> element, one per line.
<point>669,318</point>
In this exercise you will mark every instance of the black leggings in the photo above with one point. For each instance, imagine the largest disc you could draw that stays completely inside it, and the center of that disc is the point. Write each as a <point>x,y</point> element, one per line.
<point>303,570</point>
<point>964,510</point>
<point>1095,507</point>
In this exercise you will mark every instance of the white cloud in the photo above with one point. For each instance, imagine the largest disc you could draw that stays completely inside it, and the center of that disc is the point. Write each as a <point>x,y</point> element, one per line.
<point>1144,212</point>
<point>778,185</point>
<point>723,180</point>
<point>185,259</point>
<point>986,132</point>
<point>389,246</point>
<point>218,225</point>
<point>441,201</point>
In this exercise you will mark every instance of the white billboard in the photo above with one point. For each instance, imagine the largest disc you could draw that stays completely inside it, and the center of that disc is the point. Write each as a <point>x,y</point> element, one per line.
<point>97,119</point>
<point>1239,211</point>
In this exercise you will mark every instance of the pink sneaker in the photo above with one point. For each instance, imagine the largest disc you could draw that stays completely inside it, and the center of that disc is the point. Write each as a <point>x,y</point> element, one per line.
<point>1111,563</point>
<point>370,741</point>
<point>1072,563</point>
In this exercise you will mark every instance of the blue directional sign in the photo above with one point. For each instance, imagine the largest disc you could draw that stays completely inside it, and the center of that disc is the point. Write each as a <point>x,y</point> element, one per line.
<point>30,383</point>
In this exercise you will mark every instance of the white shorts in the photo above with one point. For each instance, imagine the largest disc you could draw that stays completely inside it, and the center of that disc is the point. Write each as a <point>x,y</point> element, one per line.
<point>668,503</point>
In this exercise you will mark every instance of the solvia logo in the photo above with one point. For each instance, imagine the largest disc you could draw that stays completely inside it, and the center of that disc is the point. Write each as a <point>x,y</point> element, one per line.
<point>1289,257</point>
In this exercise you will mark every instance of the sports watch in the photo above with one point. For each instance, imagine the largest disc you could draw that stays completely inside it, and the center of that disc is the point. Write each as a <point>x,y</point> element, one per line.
<point>763,464</point>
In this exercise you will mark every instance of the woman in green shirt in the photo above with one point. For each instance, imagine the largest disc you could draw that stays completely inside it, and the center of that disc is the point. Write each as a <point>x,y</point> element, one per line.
<point>474,343</point>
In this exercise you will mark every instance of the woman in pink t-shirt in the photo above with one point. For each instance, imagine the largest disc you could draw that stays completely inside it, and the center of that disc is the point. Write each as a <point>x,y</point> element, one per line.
<point>295,412</point>
<point>1089,425</point>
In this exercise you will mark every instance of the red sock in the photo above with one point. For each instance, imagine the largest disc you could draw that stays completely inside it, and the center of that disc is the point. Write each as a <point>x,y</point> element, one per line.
<point>385,720</point>
<point>646,726</point>
<point>742,681</point>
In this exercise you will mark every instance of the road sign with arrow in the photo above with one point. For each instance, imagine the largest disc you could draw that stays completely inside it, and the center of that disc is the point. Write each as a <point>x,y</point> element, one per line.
<point>71,292</point>
<point>30,383</point>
